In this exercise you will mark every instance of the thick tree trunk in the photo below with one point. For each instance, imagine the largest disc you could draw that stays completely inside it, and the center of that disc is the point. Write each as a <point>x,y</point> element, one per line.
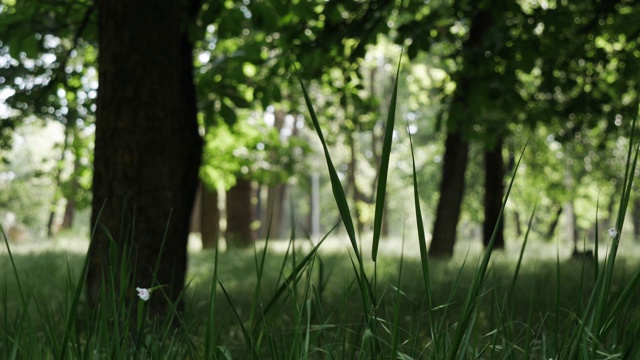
<point>493,196</point>
<point>147,148</point>
<point>240,215</point>
<point>451,193</point>
<point>209,217</point>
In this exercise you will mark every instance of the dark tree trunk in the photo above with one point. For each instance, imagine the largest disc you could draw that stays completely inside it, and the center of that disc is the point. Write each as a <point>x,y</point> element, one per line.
<point>209,217</point>
<point>239,215</point>
<point>147,147</point>
<point>635,216</point>
<point>460,118</point>
<point>554,223</point>
<point>451,193</point>
<point>493,196</point>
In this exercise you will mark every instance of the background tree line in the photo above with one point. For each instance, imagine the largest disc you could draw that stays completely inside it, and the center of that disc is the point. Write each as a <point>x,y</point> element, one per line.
<point>202,95</point>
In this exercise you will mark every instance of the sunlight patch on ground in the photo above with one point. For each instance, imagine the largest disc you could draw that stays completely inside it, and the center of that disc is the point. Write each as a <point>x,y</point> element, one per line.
<point>341,244</point>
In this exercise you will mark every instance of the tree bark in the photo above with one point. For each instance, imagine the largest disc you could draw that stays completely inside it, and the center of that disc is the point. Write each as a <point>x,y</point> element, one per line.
<point>493,196</point>
<point>451,193</point>
<point>240,215</point>
<point>147,149</point>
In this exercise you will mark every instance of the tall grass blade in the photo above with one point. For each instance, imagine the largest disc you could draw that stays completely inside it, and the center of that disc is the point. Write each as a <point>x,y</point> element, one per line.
<point>247,337</point>
<point>396,310</point>
<point>292,278</point>
<point>336,185</point>
<point>632,161</point>
<point>422,239</point>
<point>210,341</point>
<point>384,166</point>
<point>472,296</point>
<point>71,315</point>
<point>521,256</point>
<point>343,207</point>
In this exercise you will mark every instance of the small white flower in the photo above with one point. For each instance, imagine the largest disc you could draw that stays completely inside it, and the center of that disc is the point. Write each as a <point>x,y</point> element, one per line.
<point>613,232</point>
<point>144,294</point>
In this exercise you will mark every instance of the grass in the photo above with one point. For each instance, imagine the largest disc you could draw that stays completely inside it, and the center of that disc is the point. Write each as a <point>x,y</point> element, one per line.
<point>336,317</point>
<point>302,301</point>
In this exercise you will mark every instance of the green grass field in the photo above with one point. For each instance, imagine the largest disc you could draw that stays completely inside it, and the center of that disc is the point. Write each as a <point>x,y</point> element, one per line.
<point>321,316</point>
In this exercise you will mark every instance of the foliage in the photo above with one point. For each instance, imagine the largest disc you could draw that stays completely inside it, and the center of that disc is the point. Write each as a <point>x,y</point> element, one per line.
<point>250,149</point>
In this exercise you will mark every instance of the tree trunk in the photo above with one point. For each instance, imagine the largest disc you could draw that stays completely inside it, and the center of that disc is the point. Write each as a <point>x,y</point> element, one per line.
<point>274,214</point>
<point>147,149</point>
<point>635,217</point>
<point>493,196</point>
<point>451,193</point>
<point>239,215</point>
<point>69,214</point>
<point>57,191</point>
<point>554,223</point>
<point>358,198</point>
<point>70,208</point>
<point>209,217</point>
<point>314,211</point>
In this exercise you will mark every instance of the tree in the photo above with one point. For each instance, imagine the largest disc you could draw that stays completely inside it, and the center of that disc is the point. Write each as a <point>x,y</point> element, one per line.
<point>147,149</point>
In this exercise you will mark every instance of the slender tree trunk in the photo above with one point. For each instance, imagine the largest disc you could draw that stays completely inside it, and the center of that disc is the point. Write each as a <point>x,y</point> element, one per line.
<point>314,211</point>
<point>57,190</point>
<point>554,223</point>
<point>635,215</point>
<point>147,149</point>
<point>358,197</point>
<point>240,215</point>
<point>571,226</point>
<point>70,208</point>
<point>493,196</point>
<point>451,193</point>
<point>274,215</point>
<point>209,217</point>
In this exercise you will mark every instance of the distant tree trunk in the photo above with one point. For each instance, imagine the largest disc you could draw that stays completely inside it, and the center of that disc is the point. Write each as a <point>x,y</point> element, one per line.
<point>274,215</point>
<point>571,226</point>
<point>147,148</point>
<point>240,215</point>
<point>314,211</point>
<point>70,208</point>
<point>635,214</point>
<point>57,181</point>
<point>554,223</point>
<point>451,193</point>
<point>358,197</point>
<point>493,196</point>
<point>209,217</point>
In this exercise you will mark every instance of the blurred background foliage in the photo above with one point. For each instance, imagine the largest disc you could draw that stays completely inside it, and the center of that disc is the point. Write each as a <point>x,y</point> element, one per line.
<point>562,76</point>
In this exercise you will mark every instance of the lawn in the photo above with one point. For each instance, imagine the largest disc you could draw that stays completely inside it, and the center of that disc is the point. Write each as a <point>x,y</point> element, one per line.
<point>322,314</point>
